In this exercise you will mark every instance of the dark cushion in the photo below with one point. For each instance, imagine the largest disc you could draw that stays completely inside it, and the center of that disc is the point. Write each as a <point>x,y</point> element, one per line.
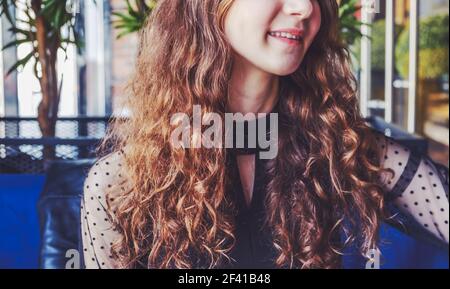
<point>59,214</point>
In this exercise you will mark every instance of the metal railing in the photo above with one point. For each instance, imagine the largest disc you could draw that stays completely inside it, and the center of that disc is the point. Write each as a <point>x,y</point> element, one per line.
<point>22,145</point>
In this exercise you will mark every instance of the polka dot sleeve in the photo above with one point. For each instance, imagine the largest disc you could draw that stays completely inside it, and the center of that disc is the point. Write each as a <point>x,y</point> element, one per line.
<point>98,233</point>
<point>418,190</point>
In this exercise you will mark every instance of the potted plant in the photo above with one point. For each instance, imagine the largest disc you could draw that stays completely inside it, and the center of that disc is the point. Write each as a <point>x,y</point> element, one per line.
<point>48,27</point>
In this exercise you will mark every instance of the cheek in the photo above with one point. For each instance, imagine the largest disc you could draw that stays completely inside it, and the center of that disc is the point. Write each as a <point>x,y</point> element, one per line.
<point>246,24</point>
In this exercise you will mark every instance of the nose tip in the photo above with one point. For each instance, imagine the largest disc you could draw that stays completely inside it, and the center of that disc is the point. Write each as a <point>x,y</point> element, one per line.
<point>301,8</point>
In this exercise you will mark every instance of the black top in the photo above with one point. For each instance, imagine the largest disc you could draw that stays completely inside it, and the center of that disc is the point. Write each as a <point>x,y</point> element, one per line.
<point>253,243</point>
<point>253,247</point>
<point>421,203</point>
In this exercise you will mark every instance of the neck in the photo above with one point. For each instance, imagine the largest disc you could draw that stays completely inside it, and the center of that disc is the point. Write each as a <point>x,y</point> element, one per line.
<point>251,90</point>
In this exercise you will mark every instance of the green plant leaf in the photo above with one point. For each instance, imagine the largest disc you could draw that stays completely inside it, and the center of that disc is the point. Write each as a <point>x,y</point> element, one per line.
<point>22,62</point>
<point>133,18</point>
<point>5,4</point>
<point>15,43</point>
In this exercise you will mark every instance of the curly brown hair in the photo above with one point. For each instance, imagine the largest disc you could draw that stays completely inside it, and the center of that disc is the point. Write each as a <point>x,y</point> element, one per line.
<point>323,181</point>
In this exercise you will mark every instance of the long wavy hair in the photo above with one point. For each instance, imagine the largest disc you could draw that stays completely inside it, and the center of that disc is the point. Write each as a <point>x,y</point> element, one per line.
<point>176,212</point>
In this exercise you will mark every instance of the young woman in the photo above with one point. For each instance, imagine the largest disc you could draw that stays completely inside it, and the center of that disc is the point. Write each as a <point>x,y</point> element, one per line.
<point>150,204</point>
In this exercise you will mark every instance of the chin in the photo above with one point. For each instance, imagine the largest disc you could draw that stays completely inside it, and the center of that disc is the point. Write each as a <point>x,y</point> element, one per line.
<point>285,70</point>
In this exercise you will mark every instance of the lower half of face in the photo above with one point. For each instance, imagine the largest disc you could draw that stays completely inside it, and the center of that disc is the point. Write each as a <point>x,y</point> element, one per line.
<point>252,28</point>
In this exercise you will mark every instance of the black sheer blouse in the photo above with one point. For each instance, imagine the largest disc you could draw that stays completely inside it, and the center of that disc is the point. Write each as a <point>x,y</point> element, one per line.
<point>253,247</point>
<point>418,194</point>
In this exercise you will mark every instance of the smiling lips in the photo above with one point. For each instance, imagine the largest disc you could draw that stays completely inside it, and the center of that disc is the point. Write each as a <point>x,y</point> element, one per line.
<point>291,36</point>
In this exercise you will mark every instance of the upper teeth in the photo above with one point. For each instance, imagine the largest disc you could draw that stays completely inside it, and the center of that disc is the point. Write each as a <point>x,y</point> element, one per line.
<point>285,35</point>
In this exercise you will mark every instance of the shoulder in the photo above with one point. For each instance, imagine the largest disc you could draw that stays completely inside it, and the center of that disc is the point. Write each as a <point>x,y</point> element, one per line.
<point>106,171</point>
<point>105,179</point>
<point>409,169</point>
<point>393,154</point>
<point>398,159</point>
